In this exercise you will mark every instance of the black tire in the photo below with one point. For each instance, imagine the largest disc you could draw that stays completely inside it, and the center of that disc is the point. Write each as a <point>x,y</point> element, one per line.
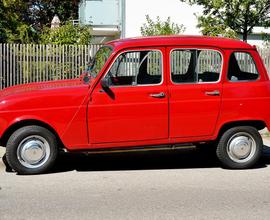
<point>33,133</point>
<point>233,161</point>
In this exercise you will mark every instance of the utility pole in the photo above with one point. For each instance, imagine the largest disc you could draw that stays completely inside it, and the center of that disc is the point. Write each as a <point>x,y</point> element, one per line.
<point>123,18</point>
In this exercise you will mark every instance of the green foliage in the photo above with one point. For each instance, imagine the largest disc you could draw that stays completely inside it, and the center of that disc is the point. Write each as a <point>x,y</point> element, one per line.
<point>23,21</point>
<point>266,40</point>
<point>213,27</point>
<point>66,34</point>
<point>3,35</point>
<point>231,18</point>
<point>158,27</point>
<point>21,34</point>
<point>100,59</point>
<point>41,12</point>
<point>13,23</point>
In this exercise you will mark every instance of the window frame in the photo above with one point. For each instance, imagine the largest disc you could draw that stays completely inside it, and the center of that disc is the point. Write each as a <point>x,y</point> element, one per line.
<point>194,48</point>
<point>240,81</point>
<point>137,50</point>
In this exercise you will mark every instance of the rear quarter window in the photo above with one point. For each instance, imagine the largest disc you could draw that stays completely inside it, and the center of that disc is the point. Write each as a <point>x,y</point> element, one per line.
<point>242,67</point>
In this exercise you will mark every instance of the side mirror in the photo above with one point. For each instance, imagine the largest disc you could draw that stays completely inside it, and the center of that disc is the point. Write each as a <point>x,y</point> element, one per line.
<point>105,84</point>
<point>86,79</point>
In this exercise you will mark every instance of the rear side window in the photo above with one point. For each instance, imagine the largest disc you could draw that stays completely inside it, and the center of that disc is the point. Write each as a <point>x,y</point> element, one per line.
<point>242,67</point>
<point>195,66</point>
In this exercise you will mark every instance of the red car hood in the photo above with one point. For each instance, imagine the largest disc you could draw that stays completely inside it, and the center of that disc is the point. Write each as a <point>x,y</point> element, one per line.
<point>54,94</point>
<point>32,87</point>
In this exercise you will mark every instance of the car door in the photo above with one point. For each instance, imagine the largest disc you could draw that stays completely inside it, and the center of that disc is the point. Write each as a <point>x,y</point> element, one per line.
<point>195,91</point>
<point>135,106</point>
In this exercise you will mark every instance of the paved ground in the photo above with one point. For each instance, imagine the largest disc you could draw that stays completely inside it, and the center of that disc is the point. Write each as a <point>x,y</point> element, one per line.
<point>184,185</point>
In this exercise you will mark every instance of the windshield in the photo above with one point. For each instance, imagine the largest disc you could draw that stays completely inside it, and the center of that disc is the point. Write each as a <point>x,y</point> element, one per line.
<point>97,63</point>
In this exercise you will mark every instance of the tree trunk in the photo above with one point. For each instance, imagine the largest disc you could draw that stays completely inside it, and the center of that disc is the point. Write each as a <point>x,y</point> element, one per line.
<point>245,35</point>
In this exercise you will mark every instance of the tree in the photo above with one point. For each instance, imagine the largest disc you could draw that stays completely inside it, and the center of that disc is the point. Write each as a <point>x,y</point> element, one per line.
<point>3,35</point>
<point>66,34</point>
<point>234,17</point>
<point>13,23</point>
<point>41,12</point>
<point>23,21</point>
<point>213,27</point>
<point>159,27</point>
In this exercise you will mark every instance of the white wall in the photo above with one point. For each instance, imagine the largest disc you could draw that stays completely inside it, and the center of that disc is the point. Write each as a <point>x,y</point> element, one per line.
<point>179,12</point>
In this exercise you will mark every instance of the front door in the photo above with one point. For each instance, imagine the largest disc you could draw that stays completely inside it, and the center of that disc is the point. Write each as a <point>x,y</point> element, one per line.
<point>195,91</point>
<point>135,107</point>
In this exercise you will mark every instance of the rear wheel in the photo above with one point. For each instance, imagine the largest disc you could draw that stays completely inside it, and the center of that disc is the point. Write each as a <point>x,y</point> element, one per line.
<point>240,147</point>
<point>31,150</point>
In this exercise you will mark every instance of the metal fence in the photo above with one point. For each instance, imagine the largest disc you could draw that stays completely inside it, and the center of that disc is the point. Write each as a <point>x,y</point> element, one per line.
<point>265,55</point>
<point>24,63</point>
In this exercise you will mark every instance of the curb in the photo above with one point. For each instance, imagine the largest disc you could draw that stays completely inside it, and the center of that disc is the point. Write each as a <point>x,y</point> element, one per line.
<point>2,151</point>
<point>265,132</point>
<point>266,141</point>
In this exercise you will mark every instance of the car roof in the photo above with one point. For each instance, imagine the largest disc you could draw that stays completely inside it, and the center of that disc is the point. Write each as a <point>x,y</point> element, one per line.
<point>174,40</point>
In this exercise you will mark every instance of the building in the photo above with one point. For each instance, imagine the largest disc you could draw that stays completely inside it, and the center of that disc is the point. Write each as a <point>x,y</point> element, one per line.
<point>106,17</point>
<point>112,19</point>
<point>258,36</point>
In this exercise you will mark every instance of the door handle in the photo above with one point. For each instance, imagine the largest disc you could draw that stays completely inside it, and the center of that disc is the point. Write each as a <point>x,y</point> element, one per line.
<point>158,95</point>
<point>212,93</point>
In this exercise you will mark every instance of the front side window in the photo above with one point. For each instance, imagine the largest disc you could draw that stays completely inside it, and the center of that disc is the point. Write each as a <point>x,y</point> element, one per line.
<point>242,67</point>
<point>195,66</point>
<point>136,68</point>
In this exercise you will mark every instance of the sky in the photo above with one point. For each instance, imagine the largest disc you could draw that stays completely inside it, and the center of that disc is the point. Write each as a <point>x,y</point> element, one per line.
<point>180,13</point>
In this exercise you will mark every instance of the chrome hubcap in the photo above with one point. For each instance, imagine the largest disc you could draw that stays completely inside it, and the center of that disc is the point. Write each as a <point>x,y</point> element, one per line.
<point>241,147</point>
<point>33,151</point>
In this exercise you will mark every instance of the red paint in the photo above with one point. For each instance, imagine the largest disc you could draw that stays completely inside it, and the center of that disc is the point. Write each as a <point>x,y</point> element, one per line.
<point>86,117</point>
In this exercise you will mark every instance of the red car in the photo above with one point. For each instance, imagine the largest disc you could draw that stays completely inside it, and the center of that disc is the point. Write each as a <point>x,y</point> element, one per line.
<point>144,93</point>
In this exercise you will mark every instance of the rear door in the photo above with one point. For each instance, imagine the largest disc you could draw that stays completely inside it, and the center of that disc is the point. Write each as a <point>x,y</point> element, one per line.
<point>195,91</point>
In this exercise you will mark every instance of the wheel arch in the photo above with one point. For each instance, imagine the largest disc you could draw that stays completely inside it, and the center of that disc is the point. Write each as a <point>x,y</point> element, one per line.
<point>27,122</point>
<point>258,124</point>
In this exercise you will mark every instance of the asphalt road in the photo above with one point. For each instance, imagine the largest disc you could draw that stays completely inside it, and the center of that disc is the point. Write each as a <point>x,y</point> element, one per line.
<point>183,185</point>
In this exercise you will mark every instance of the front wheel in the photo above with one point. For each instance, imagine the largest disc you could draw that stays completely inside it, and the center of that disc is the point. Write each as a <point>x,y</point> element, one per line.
<point>31,150</point>
<point>240,147</point>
